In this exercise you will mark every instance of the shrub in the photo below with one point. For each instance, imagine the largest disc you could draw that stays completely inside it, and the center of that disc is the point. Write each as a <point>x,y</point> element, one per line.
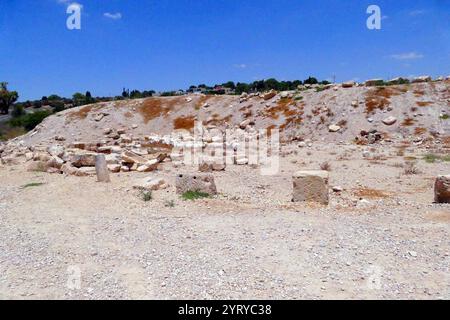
<point>445,117</point>
<point>146,195</point>
<point>194,195</point>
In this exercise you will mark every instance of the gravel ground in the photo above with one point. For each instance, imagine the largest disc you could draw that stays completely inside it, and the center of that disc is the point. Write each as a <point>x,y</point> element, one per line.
<point>250,242</point>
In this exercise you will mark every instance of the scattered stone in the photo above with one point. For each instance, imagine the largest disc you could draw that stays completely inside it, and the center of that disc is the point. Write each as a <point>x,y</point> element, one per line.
<point>83,160</point>
<point>348,84</point>
<point>334,128</point>
<point>37,166</point>
<point>151,184</point>
<point>390,121</point>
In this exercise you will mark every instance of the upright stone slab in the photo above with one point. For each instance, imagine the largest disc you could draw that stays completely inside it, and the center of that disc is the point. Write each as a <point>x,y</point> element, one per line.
<point>200,182</point>
<point>101,168</point>
<point>310,186</point>
<point>442,189</point>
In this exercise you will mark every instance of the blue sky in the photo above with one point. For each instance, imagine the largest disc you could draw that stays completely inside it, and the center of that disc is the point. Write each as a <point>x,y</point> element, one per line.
<point>171,44</point>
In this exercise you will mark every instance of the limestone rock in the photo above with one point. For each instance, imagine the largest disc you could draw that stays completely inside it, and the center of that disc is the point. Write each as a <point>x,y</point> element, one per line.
<point>83,159</point>
<point>151,184</point>
<point>202,182</point>
<point>37,166</point>
<point>334,128</point>
<point>311,186</point>
<point>390,121</point>
<point>442,189</point>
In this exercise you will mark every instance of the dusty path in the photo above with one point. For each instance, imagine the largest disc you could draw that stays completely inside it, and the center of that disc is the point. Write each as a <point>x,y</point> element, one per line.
<point>249,242</point>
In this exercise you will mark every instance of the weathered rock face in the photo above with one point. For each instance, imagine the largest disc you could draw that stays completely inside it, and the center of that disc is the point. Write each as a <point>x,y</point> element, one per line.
<point>202,182</point>
<point>311,186</point>
<point>442,189</point>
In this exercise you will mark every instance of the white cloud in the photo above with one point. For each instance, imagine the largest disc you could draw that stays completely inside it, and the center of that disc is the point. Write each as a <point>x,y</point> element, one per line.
<point>113,16</point>
<point>416,13</point>
<point>407,56</point>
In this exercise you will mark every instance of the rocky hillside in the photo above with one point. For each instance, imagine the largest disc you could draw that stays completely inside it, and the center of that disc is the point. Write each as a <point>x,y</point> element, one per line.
<point>331,114</point>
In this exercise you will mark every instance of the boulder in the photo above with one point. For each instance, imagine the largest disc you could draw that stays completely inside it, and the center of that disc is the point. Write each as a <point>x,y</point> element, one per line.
<point>55,150</point>
<point>114,168</point>
<point>311,186</point>
<point>422,79</point>
<point>86,171</point>
<point>37,166</point>
<point>113,158</point>
<point>151,165</point>
<point>68,169</point>
<point>202,182</point>
<point>151,184</point>
<point>442,189</point>
<point>41,156</point>
<point>83,159</point>
<point>245,123</point>
<point>132,158</point>
<point>55,162</point>
<point>390,121</point>
<point>269,95</point>
<point>348,84</point>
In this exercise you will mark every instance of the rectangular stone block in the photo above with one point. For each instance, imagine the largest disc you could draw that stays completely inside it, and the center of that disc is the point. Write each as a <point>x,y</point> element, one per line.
<point>442,189</point>
<point>310,186</point>
<point>201,182</point>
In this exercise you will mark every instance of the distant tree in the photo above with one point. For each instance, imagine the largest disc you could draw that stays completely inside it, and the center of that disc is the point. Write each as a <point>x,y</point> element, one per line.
<point>135,94</point>
<point>325,82</point>
<point>242,87</point>
<point>79,99</point>
<point>57,105</point>
<point>37,104</point>
<point>53,97</point>
<point>88,97</point>
<point>125,93</point>
<point>7,98</point>
<point>311,80</point>
<point>230,85</point>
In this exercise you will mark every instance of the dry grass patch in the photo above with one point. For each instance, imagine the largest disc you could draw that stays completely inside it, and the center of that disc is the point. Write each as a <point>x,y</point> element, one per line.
<point>378,98</point>
<point>83,112</point>
<point>408,122</point>
<point>419,131</point>
<point>424,103</point>
<point>186,123</point>
<point>371,193</point>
